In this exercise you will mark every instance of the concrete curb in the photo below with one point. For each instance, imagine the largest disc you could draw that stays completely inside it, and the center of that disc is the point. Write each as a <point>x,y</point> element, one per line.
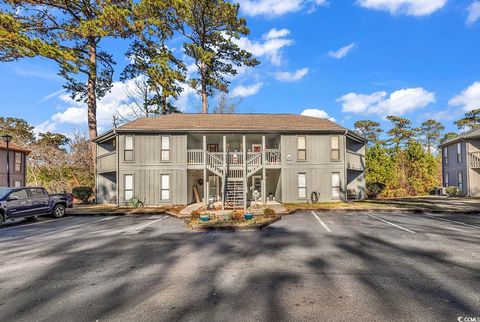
<point>390,210</point>
<point>253,227</point>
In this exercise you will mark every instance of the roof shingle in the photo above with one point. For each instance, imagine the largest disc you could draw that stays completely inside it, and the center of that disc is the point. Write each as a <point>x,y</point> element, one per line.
<point>231,122</point>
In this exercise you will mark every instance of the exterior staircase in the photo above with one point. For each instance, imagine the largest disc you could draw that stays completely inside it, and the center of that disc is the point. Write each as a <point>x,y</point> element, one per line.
<point>234,193</point>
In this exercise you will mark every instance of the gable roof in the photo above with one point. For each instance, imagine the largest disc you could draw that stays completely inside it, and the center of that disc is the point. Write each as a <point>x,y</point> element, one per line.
<point>470,134</point>
<point>13,147</point>
<point>183,122</point>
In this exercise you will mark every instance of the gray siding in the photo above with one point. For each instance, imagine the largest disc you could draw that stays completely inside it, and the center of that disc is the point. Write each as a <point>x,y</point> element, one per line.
<point>453,168</point>
<point>147,169</point>
<point>106,188</point>
<point>14,176</point>
<point>318,167</point>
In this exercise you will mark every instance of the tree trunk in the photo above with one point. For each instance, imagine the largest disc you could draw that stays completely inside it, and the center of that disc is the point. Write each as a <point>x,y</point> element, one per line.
<point>203,73</point>
<point>91,96</point>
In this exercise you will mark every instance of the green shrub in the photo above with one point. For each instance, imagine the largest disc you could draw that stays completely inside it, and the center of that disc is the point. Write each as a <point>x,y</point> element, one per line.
<point>136,203</point>
<point>374,189</point>
<point>269,212</point>
<point>82,193</point>
<point>453,191</point>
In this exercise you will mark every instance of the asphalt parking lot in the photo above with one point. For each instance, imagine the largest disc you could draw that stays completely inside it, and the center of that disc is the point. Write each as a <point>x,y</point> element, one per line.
<point>308,266</point>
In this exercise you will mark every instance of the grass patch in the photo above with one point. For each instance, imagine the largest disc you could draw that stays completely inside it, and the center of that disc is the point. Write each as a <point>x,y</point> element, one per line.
<point>221,222</point>
<point>338,205</point>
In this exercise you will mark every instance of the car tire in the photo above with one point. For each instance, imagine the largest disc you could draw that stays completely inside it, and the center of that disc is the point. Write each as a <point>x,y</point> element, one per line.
<point>58,211</point>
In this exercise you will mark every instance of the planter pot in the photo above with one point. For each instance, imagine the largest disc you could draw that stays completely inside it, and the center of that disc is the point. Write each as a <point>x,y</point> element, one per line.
<point>248,216</point>
<point>204,218</point>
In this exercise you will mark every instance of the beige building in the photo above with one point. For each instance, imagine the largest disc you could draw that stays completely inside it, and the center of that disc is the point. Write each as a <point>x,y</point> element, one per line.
<point>233,158</point>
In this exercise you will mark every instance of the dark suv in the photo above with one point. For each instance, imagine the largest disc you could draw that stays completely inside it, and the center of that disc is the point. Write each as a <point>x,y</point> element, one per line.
<point>31,202</point>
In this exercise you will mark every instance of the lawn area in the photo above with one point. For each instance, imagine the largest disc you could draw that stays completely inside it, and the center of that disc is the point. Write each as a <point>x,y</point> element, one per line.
<point>340,205</point>
<point>112,209</point>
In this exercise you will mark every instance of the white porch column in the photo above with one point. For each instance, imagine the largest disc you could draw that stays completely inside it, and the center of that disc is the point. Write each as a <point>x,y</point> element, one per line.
<point>264,172</point>
<point>244,144</point>
<point>205,181</point>
<point>224,179</point>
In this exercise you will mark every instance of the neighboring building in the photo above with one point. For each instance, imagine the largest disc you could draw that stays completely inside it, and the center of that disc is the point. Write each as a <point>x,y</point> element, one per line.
<point>186,158</point>
<point>461,163</point>
<point>18,167</point>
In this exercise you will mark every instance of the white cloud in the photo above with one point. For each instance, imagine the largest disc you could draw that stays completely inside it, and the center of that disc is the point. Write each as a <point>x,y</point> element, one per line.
<point>406,7</point>
<point>271,47</point>
<point>342,52</point>
<point>291,76</point>
<point>47,126</point>
<point>397,103</point>
<point>314,112</point>
<point>244,91</point>
<point>273,8</point>
<point>468,99</point>
<point>473,12</point>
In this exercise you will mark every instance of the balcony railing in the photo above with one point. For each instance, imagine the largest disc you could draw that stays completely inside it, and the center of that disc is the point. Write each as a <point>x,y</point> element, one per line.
<point>474,160</point>
<point>355,161</point>
<point>215,160</point>
<point>107,162</point>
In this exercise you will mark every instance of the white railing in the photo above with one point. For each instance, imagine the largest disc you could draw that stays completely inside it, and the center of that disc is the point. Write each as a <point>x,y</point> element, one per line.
<point>254,163</point>
<point>474,159</point>
<point>235,173</point>
<point>195,158</point>
<point>235,158</point>
<point>272,157</point>
<point>214,164</point>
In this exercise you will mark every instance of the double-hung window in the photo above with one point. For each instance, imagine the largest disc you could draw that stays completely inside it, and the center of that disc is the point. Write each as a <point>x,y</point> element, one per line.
<point>459,152</point>
<point>460,181</point>
<point>445,155</point>
<point>335,148</point>
<point>128,156</point>
<point>447,183</point>
<point>301,148</point>
<point>165,187</point>
<point>128,187</point>
<point>18,162</point>
<point>302,186</point>
<point>336,185</point>
<point>165,156</point>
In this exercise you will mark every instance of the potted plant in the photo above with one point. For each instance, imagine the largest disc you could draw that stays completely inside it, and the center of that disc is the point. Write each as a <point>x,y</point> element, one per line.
<point>204,217</point>
<point>248,216</point>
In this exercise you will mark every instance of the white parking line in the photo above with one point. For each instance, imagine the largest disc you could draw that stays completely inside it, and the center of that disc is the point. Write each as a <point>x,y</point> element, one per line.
<point>33,223</point>
<point>148,224</point>
<point>321,222</point>
<point>68,228</point>
<point>392,224</point>
<point>454,221</point>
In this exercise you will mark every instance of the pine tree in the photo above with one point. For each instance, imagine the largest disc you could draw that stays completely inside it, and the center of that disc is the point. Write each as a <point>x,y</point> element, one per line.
<point>469,121</point>
<point>210,27</point>
<point>401,132</point>
<point>370,130</point>
<point>430,133</point>
<point>68,32</point>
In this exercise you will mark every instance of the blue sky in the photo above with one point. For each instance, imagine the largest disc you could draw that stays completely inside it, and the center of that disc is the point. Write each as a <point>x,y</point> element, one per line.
<point>347,60</point>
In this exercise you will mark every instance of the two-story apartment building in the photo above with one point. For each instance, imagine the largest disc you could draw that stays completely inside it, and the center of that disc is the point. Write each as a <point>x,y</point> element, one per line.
<point>17,164</point>
<point>233,158</point>
<point>461,163</point>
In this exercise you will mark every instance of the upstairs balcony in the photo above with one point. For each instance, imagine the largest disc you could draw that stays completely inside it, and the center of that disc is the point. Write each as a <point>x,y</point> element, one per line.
<point>474,160</point>
<point>233,162</point>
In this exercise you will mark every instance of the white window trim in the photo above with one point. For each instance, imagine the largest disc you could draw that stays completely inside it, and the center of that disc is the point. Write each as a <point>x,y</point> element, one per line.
<point>162,189</point>
<point>304,148</point>
<point>169,148</point>
<point>125,148</point>
<point>125,190</point>
<point>445,155</point>
<point>332,149</point>
<point>302,187</point>
<point>460,180</point>
<point>447,180</point>
<point>15,162</point>
<point>459,152</point>
<point>339,187</point>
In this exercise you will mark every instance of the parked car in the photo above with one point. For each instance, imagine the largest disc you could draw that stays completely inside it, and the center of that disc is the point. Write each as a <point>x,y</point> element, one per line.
<point>32,202</point>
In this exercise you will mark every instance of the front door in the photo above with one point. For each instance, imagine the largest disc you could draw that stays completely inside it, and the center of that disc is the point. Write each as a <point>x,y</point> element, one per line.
<point>213,184</point>
<point>256,185</point>
<point>212,148</point>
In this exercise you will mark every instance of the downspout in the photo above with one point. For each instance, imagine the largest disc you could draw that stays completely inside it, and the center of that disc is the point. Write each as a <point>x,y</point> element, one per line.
<point>117,174</point>
<point>345,167</point>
